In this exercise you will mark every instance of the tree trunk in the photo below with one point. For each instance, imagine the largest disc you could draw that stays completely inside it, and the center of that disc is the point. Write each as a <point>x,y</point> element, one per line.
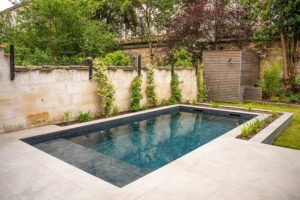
<point>50,42</point>
<point>284,55</point>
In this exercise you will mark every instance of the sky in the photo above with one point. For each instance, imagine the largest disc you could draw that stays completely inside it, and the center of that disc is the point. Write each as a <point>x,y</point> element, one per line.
<point>4,4</point>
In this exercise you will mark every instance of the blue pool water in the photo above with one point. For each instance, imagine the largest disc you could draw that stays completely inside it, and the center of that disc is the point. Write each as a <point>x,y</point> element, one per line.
<point>123,154</point>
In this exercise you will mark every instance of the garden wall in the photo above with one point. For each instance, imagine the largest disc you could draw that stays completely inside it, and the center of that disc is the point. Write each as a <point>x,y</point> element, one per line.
<point>41,95</point>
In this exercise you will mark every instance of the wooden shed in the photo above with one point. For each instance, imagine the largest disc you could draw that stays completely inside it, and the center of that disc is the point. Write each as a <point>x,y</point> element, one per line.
<point>230,76</point>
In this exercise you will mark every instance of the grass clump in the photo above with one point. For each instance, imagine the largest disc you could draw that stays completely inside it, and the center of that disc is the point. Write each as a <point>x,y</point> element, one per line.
<point>215,104</point>
<point>84,117</point>
<point>252,128</point>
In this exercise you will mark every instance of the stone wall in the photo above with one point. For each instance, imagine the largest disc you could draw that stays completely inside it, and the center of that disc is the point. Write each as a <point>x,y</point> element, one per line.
<point>42,95</point>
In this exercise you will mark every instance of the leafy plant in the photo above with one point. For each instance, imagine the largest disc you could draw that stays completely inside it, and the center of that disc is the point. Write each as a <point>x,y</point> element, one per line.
<point>67,116</point>
<point>201,87</point>
<point>274,113</point>
<point>271,79</point>
<point>115,110</point>
<point>84,117</point>
<point>182,58</point>
<point>215,104</point>
<point>164,102</point>
<point>150,89</point>
<point>175,89</point>
<point>250,107</point>
<point>136,93</point>
<point>117,58</point>
<point>105,88</point>
<point>252,128</point>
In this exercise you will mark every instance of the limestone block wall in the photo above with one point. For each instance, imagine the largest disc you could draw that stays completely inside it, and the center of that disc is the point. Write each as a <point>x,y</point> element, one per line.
<point>43,95</point>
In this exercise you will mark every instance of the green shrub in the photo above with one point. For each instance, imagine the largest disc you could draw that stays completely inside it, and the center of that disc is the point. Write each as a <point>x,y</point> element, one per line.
<point>27,57</point>
<point>175,89</point>
<point>150,89</point>
<point>136,93</point>
<point>84,117</point>
<point>271,80</point>
<point>274,112</point>
<point>105,88</point>
<point>117,58</point>
<point>252,128</point>
<point>250,107</point>
<point>215,104</point>
<point>201,87</point>
<point>182,58</point>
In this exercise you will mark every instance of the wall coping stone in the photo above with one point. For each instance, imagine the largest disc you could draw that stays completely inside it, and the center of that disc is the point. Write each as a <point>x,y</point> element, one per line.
<point>49,68</point>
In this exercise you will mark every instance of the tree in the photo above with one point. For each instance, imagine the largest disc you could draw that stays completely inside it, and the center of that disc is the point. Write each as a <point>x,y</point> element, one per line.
<point>96,39</point>
<point>54,24</point>
<point>60,27</point>
<point>279,18</point>
<point>202,24</point>
<point>119,15</point>
<point>155,17</point>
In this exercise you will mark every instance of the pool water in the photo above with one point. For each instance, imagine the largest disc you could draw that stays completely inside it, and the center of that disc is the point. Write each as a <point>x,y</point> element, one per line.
<point>123,154</point>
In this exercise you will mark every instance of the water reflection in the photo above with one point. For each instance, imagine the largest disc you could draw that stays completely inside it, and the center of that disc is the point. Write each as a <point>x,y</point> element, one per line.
<point>152,143</point>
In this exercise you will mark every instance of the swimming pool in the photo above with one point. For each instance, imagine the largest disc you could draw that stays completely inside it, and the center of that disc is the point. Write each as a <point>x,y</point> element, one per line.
<point>126,149</point>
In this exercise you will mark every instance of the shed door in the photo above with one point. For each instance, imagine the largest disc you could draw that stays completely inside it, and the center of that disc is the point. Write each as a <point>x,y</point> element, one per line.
<point>222,75</point>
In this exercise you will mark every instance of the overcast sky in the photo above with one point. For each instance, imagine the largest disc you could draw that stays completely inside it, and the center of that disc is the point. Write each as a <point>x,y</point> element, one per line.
<point>4,4</point>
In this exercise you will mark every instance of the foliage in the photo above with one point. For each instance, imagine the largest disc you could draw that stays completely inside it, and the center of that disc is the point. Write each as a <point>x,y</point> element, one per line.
<point>201,87</point>
<point>215,104</point>
<point>151,86</point>
<point>105,88</point>
<point>67,116</point>
<point>278,18</point>
<point>84,117</point>
<point>136,93</point>
<point>182,58</point>
<point>201,24</point>
<point>27,57</point>
<point>115,110</point>
<point>164,102</point>
<point>117,58</point>
<point>155,16</point>
<point>250,107</point>
<point>271,80</point>
<point>290,137</point>
<point>58,28</point>
<point>175,89</point>
<point>117,14</point>
<point>249,129</point>
<point>96,39</point>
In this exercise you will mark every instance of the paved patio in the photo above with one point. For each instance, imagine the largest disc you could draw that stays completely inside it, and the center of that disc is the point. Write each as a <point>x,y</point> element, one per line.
<point>226,168</point>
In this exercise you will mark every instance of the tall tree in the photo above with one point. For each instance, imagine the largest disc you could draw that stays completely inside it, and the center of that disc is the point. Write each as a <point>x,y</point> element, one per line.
<point>155,17</point>
<point>279,18</point>
<point>202,24</point>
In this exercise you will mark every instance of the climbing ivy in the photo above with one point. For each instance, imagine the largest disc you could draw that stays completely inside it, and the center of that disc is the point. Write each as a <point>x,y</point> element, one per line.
<point>150,89</point>
<point>175,89</point>
<point>105,88</point>
<point>136,93</point>
<point>201,87</point>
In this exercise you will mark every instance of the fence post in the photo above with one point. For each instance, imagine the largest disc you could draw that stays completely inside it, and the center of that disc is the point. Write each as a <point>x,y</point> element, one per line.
<point>90,67</point>
<point>139,64</point>
<point>12,62</point>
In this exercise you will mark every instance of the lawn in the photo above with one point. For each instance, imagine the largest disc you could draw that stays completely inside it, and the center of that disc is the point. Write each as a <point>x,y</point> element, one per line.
<point>291,136</point>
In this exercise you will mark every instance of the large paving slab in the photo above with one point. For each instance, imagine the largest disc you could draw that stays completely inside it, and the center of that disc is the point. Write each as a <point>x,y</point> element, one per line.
<point>226,168</point>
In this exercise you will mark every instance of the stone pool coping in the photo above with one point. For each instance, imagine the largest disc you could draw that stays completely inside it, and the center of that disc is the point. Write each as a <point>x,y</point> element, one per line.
<point>225,168</point>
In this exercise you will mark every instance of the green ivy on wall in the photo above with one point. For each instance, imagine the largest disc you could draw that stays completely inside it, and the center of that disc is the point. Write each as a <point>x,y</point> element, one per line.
<point>136,93</point>
<point>175,89</point>
<point>201,87</point>
<point>150,89</point>
<point>105,88</point>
